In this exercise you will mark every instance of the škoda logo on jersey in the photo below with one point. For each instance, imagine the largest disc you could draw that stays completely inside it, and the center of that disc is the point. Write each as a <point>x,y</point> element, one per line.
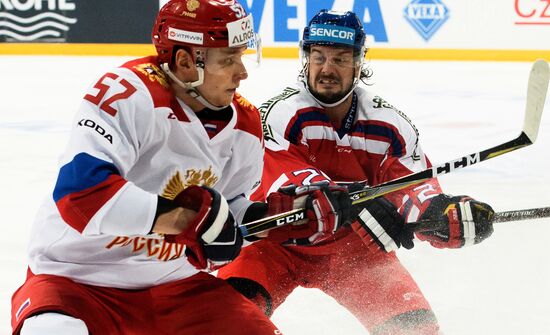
<point>87,123</point>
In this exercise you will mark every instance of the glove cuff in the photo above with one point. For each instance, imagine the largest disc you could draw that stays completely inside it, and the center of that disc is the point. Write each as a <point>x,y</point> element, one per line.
<point>373,227</point>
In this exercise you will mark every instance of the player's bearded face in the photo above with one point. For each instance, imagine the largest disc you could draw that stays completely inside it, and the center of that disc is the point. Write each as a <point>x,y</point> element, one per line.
<point>330,72</point>
<point>223,72</point>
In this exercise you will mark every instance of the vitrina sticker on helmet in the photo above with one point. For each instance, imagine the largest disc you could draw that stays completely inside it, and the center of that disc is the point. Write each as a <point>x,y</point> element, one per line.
<point>185,36</point>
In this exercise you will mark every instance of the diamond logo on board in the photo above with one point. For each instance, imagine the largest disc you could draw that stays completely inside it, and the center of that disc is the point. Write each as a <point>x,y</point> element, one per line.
<point>426,16</point>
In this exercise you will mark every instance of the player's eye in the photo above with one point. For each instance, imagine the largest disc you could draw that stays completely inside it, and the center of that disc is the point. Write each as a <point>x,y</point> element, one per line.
<point>228,61</point>
<point>318,59</point>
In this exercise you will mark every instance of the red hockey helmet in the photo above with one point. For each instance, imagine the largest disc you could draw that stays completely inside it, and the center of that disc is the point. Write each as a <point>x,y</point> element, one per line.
<point>206,24</point>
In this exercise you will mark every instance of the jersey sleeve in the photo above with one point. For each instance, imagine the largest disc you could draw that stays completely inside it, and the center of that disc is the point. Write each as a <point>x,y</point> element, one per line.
<point>411,201</point>
<point>112,127</point>
<point>282,168</point>
<point>405,156</point>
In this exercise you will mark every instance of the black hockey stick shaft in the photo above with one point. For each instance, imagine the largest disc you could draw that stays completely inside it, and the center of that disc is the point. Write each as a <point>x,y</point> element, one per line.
<point>369,193</point>
<point>508,216</point>
<point>372,192</point>
<point>536,95</point>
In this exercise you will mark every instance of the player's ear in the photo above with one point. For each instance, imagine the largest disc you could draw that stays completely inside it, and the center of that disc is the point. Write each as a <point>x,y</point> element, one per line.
<point>184,65</point>
<point>183,58</point>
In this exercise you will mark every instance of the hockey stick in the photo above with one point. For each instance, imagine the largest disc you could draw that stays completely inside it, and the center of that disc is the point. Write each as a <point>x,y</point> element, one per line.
<point>515,215</point>
<point>536,94</point>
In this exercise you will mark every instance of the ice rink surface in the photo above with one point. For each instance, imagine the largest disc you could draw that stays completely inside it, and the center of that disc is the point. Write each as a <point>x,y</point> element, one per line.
<point>500,287</point>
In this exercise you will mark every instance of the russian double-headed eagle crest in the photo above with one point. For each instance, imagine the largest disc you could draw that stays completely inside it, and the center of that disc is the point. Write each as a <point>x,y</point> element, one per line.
<point>152,72</point>
<point>177,183</point>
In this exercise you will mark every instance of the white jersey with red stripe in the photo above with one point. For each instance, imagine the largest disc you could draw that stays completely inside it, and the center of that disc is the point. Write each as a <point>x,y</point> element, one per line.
<point>380,143</point>
<point>131,141</point>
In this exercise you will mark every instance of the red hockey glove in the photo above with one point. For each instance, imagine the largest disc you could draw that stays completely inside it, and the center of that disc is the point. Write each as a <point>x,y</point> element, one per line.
<point>380,222</point>
<point>212,238</point>
<point>327,207</point>
<point>467,221</point>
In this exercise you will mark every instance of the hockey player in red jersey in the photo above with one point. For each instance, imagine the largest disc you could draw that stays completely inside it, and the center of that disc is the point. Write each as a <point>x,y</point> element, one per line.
<point>352,135</point>
<point>139,215</point>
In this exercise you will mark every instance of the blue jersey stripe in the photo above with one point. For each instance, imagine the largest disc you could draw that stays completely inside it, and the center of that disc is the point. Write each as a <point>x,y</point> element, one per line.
<point>381,131</point>
<point>310,116</point>
<point>83,172</point>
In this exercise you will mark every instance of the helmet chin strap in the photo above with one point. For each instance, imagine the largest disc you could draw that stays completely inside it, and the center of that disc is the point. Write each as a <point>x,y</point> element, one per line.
<point>191,86</point>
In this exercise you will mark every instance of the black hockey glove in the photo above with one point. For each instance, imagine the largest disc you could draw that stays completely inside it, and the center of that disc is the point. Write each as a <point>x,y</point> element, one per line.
<point>465,221</point>
<point>380,222</point>
<point>211,238</point>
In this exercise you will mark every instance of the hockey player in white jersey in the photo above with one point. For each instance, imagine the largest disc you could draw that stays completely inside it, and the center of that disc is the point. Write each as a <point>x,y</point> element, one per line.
<point>150,191</point>
<point>353,136</point>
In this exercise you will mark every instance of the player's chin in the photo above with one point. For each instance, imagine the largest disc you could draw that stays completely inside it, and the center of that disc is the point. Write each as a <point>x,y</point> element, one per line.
<point>328,96</point>
<point>231,92</point>
<point>328,89</point>
<point>225,99</point>
<point>332,86</point>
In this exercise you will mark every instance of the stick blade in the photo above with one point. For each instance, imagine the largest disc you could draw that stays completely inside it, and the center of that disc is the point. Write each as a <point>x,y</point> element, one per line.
<point>536,95</point>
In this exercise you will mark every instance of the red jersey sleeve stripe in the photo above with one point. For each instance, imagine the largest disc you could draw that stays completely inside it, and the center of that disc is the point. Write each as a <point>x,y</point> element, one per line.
<point>83,186</point>
<point>77,209</point>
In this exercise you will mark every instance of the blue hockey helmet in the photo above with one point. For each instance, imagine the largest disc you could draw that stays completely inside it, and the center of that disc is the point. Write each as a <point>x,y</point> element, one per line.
<point>333,28</point>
